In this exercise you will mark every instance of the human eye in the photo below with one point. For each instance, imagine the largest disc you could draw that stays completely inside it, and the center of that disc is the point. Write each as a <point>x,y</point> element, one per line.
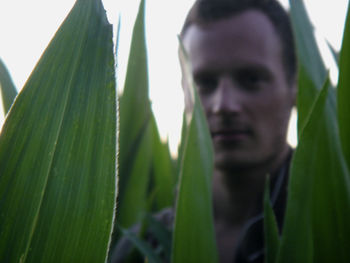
<point>251,80</point>
<point>206,83</point>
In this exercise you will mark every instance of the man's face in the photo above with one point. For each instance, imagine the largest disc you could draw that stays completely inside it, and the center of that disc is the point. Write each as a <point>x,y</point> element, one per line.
<point>237,67</point>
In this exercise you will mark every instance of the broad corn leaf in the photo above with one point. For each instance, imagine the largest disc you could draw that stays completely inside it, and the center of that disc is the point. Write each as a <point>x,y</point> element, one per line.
<point>344,91</point>
<point>316,225</point>
<point>193,237</point>
<point>58,149</point>
<point>7,88</point>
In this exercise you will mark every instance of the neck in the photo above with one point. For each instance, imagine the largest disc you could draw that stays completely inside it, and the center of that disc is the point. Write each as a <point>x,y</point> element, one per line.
<point>237,193</point>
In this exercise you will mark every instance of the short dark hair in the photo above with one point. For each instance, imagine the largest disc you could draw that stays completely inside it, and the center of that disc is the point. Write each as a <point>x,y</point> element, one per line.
<point>206,11</point>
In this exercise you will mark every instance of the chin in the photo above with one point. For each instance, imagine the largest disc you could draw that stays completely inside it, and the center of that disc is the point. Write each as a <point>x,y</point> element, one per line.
<point>234,163</point>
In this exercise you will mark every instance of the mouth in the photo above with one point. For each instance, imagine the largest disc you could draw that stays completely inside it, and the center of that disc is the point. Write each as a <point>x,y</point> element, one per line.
<point>230,136</point>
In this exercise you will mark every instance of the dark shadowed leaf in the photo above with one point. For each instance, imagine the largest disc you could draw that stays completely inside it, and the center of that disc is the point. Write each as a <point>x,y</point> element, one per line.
<point>7,88</point>
<point>142,246</point>
<point>344,91</point>
<point>58,149</point>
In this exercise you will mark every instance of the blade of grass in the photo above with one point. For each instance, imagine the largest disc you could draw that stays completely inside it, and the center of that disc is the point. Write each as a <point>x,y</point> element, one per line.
<point>343,89</point>
<point>58,149</point>
<point>194,237</point>
<point>7,88</point>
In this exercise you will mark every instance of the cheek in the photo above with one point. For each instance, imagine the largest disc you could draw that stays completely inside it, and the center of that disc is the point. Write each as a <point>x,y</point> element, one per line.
<point>272,114</point>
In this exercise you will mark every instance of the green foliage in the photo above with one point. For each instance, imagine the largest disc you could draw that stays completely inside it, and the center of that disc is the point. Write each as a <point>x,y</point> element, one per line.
<point>344,91</point>
<point>58,157</point>
<point>194,237</point>
<point>7,88</point>
<point>318,206</point>
<point>58,149</point>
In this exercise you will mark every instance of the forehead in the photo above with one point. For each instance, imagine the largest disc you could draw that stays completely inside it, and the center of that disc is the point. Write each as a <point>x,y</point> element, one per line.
<point>245,38</point>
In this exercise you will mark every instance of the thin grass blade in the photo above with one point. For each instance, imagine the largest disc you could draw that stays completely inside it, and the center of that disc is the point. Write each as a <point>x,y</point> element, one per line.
<point>58,149</point>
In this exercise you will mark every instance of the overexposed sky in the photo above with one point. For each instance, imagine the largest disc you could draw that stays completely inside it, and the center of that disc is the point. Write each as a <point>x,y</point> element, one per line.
<point>26,27</point>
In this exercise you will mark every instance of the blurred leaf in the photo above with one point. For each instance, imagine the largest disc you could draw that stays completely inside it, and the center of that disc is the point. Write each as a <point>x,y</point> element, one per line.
<point>162,234</point>
<point>135,110</point>
<point>7,88</point>
<point>134,202</point>
<point>316,225</point>
<point>163,171</point>
<point>334,52</point>
<point>181,147</point>
<point>135,116</point>
<point>142,246</point>
<point>58,149</point>
<point>194,237</point>
<point>272,240</point>
<point>311,64</point>
<point>344,91</point>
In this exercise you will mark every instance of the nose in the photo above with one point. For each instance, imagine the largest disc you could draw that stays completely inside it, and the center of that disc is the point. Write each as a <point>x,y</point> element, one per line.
<point>227,99</point>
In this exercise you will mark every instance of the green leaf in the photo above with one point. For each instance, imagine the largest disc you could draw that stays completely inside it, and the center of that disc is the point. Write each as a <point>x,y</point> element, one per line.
<point>310,60</point>
<point>162,234</point>
<point>7,88</point>
<point>135,118</point>
<point>58,149</point>
<point>316,225</point>
<point>134,202</point>
<point>343,95</point>
<point>142,246</point>
<point>163,171</point>
<point>334,52</point>
<point>135,110</point>
<point>194,236</point>
<point>272,240</point>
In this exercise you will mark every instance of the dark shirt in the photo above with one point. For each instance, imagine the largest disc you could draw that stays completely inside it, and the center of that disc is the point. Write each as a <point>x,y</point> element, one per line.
<point>251,243</point>
<point>250,248</point>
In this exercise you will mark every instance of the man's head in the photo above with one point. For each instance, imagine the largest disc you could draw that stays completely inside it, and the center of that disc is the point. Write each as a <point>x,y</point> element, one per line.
<point>244,65</point>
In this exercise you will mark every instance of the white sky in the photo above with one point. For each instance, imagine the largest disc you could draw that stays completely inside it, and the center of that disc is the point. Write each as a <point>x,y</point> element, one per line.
<point>26,27</point>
